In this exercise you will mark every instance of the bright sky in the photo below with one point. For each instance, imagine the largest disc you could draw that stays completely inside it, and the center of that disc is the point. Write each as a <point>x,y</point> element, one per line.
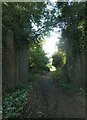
<point>53,0</point>
<point>50,44</point>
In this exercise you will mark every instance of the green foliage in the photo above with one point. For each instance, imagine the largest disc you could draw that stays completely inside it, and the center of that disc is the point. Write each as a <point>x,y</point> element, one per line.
<point>70,87</point>
<point>29,21</point>
<point>60,73</point>
<point>55,75</point>
<point>22,18</point>
<point>37,59</point>
<point>65,83</point>
<point>72,24</point>
<point>34,75</point>
<point>18,17</point>
<point>59,59</point>
<point>14,102</point>
<point>73,36</point>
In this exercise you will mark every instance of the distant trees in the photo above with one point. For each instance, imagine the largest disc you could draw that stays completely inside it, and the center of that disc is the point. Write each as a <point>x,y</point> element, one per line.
<point>58,59</point>
<point>37,58</point>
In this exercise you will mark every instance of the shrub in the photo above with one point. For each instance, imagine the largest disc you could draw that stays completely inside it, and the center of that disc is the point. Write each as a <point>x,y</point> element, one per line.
<point>13,102</point>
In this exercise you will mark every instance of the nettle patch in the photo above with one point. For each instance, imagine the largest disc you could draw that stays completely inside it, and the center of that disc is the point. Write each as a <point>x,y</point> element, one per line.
<point>13,103</point>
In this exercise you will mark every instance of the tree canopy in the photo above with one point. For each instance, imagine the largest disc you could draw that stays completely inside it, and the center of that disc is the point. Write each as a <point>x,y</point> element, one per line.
<point>29,21</point>
<point>72,23</point>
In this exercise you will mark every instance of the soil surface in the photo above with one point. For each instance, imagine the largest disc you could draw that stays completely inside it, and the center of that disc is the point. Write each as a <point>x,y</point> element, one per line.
<point>48,100</point>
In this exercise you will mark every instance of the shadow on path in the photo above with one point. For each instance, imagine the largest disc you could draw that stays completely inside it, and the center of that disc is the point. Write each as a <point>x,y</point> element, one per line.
<point>48,100</point>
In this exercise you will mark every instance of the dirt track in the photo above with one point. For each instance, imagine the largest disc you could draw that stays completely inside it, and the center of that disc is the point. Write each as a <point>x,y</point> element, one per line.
<point>48,100</point>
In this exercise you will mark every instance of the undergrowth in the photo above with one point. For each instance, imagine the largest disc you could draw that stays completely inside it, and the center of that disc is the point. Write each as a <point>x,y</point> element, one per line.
<point>70,87</point>
<point>65,83</point>
<point>33,76</point>
<point>13,102</point>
